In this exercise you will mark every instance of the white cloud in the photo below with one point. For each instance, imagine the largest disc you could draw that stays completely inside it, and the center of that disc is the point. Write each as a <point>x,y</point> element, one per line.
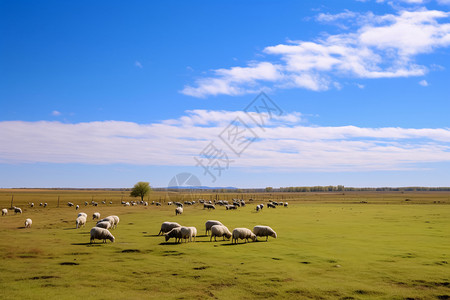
<point>383,46</point>
<point>285,143</point>
<point>423,82</point>
<point>56,113</point>
<point>138,64</point>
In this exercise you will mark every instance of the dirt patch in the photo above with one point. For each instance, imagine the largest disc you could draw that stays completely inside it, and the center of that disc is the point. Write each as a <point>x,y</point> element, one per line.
<point>201,268</point>
<point>131,251</point>
<point>305,262</point>
<point>43,277</point>
<point>276,258</point>
<point>366,292</point>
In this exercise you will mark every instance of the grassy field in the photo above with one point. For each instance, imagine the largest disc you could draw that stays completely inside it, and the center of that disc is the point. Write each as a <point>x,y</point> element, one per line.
<point>329,246</point>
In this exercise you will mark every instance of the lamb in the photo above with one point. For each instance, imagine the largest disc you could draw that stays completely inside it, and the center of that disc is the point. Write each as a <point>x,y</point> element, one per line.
<point>178,210</point>
<point>168,226</point>
<point>220,231</point>
<point>4,211</point>
<point>242,233</point>
<point>193,233</point>
<point>96,215</point>
<point>211,223</point>
<point>101,234</point>
<point>82,214</point>
<point>28,223</point>
<point>80,221</point>
<point>174,233</point>
<point>260,230</point>
<point>104,224</point>
<point>17,210</point>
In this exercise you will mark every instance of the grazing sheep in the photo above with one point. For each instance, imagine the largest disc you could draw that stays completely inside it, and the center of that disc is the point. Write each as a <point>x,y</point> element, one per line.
<point>104,224</point>
<point>41,204</point>
<point>103,202</point>
<point>110,202</point>
<point>260,230</point>
<point>178,211</point>
<point>95,204</point>
<point>31,204</point>
<point>4,211</point>
<point>208,206</point>
<point>168,226</point>
<point>174,233</point>
<point>243,234</point>
<point>101,234</point>
<point>96,215</point>
<point>116,220</point>
<point>77,207</point>
<point>285,204</point>
<point>45,204</point>
<point>242,203</point>
<point>220,231</point>
<point>28,223</point>
<point>145,203</point>
<point>193,233</point>
<point>17,210</point>
<point>127,204</point>
<point>258,208</point>
<point>158,204</point>
<point>169,203</point>
<point>186,233</point>
<point>271,205</point>
<point>230,207</point>
<point>211,223</point>
<point>85,203</point>
<point>70,204</point>
<point>80,221</point>
<point>82,214</point>
<point>107,219</point>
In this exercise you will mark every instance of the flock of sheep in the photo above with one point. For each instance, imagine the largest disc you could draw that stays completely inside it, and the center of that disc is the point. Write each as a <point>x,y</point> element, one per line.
<point>171,229</point>
<point>216,229</point>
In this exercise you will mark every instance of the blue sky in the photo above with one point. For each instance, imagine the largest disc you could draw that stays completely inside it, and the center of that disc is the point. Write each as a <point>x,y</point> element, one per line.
<point>107,93</point>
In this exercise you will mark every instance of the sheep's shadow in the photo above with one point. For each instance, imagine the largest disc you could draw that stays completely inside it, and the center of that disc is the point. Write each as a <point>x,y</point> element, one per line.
<point>169,243</point>
<point>87,244</point>
<point>152,235</point>
<point>69,228</point>
<point>21,227</point>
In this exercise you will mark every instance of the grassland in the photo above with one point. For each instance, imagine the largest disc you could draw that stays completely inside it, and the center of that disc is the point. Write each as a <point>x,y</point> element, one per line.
<point>329,246</point>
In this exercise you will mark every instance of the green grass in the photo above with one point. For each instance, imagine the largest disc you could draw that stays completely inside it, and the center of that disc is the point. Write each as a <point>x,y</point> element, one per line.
<point>328,250</point>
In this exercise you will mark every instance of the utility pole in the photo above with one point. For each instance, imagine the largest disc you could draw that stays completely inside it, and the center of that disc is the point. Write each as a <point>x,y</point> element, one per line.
<point>58,201</point>
<point>12,200</point>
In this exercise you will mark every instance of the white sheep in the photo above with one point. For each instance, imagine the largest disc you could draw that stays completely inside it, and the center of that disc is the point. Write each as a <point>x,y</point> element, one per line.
<point>4,212</point>
<point>260,230</point>
<point>31,204</point>
<point>168,226</point>
<point>82,214</point>
<point>80,221</point>
<point>77,207</point>
<point>286,204</point>
<point>127,204</point>
<point>45,204</point>
<point>116,220</point>
<point>101,234</point>
<point>186,233</point>
<point>211,223</point>
<point>220,231</point>
<point>28,223</point>
<point>17,210</point>
<point>109,219</point>
<point>174,233</point>
<point>104,224</point>
<point>242,233</point>
<point>96,215</point>
<point>178,210</point>
<point>85,203</point>
<point>193,233</point>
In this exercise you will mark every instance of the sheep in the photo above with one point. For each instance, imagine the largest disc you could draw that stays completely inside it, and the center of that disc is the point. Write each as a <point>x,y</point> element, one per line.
<point>107,219</point>
<point>41,204</point>
<point>178,211</point>
<point>230,207</point>
<point>220,231</point>
<point>101,234</point>
<point>45,204</point>
<point>28,223</point>
<point>169,203</point>
<point>285,204</point>
<point>260,230</point>
<point>77,207</point>
<point>168,226</point>
<point>208,206</point>
<point>31,204</point>
<point>103,202</point>
<point>80,221</point>
<point>211,223</point>
<point>96,215</point>
<point>145,203</point>
<point>174,233</point>
<point>82,214</point>
<point>69,204</point>
<point>242,233</point>
<point>4,212</point>
<point>158,204</point>
<point>193,233</point>
<point>103,224</point>
<point>110,202</point>
<point>186,233</point>
<point>242,203</point>
<point>271,205</point>
<point>17,210</point>
<point>116,220</point>
<point>127,204</point>
<point>85,203</point>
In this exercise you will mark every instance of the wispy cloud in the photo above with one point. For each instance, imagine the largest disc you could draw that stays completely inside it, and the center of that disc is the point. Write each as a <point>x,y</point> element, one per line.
<point>56,113</point>
<point>383,46</point>
<point>423,82</point>
<point>138,64</point>
<point>285,143</point>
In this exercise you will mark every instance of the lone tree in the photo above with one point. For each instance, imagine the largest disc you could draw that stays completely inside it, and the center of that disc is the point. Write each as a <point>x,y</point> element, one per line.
<point>140,189</point>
